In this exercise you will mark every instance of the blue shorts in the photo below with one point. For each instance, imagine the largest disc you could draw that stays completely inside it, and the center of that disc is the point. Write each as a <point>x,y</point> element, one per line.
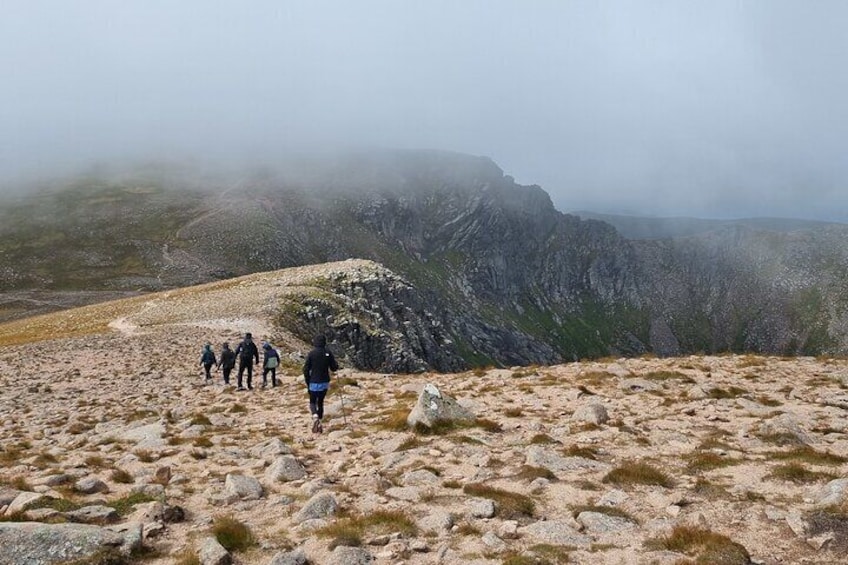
<point>318,387</point>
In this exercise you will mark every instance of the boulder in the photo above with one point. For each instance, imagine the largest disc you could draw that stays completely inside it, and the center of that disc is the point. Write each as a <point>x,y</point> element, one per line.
<point>344,555</point>
<point>834,493</point>
<point>22,501</point>
<point>95,514</point>
<point>538,456</point>
<point>600,523</point>
<point>785,425</point>
<point>46,544</point>
<point>592,413</point>
<point>433,407</point>
<point>213,553</point>
<point>284,469</point>
<point>420,477</point>
<point>296,557</point>
<point>269,449</point>
<point>321,505</point>
<point>90,485</point>
<point>242,487</point>
<point>556,532</point>
<point>481,508</point>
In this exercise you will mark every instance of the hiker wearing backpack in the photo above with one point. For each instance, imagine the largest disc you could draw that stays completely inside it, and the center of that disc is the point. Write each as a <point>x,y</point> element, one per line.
<point>316,372</point>
<point>248,355</point>
<point>272,360</point>
<point>228,361</point>
<point>207,359</point>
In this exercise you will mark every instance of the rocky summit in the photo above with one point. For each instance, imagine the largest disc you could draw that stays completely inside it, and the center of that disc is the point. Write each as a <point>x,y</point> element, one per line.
<point>116,450</point>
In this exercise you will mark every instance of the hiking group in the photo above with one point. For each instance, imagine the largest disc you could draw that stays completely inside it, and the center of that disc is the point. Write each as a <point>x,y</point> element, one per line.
<point>316,369</point>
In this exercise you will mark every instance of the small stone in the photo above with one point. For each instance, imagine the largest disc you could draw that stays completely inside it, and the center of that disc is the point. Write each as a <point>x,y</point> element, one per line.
<point>296,557</point>
<point>95,514</point>
<point>321,505</point>
<point>593,413</point>
<point>213,553</point>
<point>91,485</point>
<point>242,487</point>
<point>481,507</point>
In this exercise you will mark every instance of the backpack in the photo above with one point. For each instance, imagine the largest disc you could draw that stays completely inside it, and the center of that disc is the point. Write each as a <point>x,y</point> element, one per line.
<point>272,362</point>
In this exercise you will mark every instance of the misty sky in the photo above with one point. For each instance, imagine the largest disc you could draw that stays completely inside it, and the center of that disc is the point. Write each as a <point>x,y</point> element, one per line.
<point>708,109</point>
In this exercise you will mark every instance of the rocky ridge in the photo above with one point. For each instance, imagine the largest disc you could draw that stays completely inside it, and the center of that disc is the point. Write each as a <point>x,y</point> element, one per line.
<point>509,279</point>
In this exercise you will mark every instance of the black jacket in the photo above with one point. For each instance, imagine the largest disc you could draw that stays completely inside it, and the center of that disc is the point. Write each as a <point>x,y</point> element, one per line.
<point>246,351</point>
<point>319,363</point>
<point>228,358</point>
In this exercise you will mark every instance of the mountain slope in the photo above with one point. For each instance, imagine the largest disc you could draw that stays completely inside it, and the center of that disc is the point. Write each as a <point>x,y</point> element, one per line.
<point>509,279</point>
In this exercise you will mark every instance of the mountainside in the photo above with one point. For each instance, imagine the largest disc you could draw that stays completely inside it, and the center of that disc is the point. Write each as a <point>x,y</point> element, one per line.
<point>508,278</point>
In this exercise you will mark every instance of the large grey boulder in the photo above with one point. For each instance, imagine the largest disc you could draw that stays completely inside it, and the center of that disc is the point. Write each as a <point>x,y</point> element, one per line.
<point>269,449</point>
<point>592,413</point>
<point>213,553</point>
<point>321,505</point>
<point>433,406</point>
<point>45,544</point>
<point>599,523</point>
<point>23,500</point>
<point>242,487</point>
<point>284,469</point>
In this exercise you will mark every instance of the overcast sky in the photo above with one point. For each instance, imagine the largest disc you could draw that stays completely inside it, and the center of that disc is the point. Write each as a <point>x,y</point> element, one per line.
<point>708,109</point>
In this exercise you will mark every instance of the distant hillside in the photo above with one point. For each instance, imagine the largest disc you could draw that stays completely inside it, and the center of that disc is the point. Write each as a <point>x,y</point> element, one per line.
<point>507,278</point>
<point>642,227</point>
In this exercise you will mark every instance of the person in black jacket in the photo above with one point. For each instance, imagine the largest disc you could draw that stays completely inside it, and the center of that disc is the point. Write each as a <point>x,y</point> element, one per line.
<point>316,372</point>
<point>269,365</point>
<point>248,355</point>
<point>228,361</point>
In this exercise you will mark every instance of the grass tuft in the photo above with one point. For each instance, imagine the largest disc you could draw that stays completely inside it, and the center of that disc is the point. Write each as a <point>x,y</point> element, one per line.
<point>796,473</point>
<point>232,534</point>
<point>706,546</point>
<point>509,505</point>
<point>638,473</point>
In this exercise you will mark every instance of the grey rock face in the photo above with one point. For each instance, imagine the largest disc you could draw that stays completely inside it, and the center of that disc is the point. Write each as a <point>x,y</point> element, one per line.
<point>47,544</point>
<point>321,505</point>
<point>284,469</point>
<point>22,500</point>
<point>434,406</point>
<point>242,487</point>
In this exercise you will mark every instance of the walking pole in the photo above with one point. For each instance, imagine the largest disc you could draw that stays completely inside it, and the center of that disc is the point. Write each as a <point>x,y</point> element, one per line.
<point>344,415</point>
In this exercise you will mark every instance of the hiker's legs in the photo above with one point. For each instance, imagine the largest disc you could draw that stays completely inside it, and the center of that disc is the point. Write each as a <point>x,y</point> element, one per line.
<point>242,366</point>
<point>265,372</point>
<point>227,375</point>
<point>249,374</point>
<point>313,403</point>
<point>273,376</point>
<point>208,367</point>
<point>319,403</point>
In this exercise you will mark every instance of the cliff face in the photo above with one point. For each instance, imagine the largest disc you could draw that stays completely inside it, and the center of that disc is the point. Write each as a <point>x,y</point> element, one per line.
<point>506,278</point>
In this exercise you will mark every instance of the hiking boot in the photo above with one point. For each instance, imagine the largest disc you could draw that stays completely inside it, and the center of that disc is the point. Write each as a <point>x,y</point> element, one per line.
<point>316,423</point>
<point>320,427</point>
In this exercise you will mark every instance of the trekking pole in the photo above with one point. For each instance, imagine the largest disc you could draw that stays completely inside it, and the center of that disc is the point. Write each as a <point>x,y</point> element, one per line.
<point>344,415</point>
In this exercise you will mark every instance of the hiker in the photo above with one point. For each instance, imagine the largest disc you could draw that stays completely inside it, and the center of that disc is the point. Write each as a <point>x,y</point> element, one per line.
<point>272,360</point>
<point>316,371</point>
<point>207,359</point>
<point>228,361</point>
<point>248,354</point>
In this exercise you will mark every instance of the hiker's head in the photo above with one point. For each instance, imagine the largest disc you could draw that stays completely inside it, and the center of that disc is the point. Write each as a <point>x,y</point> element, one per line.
<point>248,336</point>
<point>266,345</point>
<point>226,345</point>
<point>207,346</point>
<point>319,341</point>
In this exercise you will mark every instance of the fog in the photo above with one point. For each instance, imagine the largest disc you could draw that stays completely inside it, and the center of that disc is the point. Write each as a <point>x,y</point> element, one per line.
<point>708,109</point>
